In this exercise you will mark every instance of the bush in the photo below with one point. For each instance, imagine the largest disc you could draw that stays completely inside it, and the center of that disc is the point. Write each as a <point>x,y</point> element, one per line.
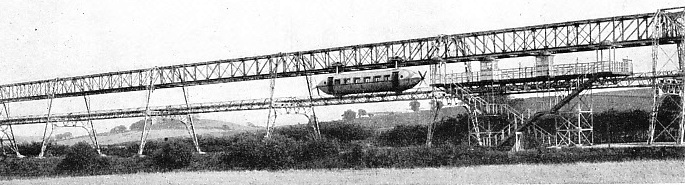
<point>318,149</point>
<point>297,132</point>
<point>82,159</point>
<point>33,149</point>
<point>253,151</point>
<point>173,155</point>
<point>404,135</point>
<point>345,132</point>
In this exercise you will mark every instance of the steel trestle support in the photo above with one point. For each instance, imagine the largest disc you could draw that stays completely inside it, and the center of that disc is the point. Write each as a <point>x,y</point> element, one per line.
<point>8,133</point>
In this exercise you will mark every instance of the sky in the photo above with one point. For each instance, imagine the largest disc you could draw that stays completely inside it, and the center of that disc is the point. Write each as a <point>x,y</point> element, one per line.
<point>50,39</point>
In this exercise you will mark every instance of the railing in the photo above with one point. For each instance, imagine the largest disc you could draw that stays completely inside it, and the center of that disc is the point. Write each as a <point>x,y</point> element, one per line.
<point>482,107</point>
<point>614,67</point>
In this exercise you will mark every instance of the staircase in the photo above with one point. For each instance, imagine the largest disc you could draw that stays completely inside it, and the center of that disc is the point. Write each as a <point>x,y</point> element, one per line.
<point>516,122</point>
<point>481,108</point>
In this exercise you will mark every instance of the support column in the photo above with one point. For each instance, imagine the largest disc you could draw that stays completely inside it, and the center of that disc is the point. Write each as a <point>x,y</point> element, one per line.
<point>46,137</point>
<point>93,133</point>
<point>271,119</point>
<point>469,71</point>
<point>146,128</point>
<point>543,64</point>
<point>488,68</point>
<point>312,120</point>
<point>190,121</point>
<point>9,132</point>
<point>681,65</point>
<point>656,35</point>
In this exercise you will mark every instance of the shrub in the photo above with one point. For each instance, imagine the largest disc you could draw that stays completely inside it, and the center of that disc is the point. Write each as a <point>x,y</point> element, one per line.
<point>451,130</point>
<point>173,155</point>
<point>82,158</point>
<point>317,149</point>
<point>297,132</point>
<point>404,135</point>
<point>29,149</point>
<point>118,129</point>
<point>345,132</point>
<point>213,144</point>
<point>252,151</point>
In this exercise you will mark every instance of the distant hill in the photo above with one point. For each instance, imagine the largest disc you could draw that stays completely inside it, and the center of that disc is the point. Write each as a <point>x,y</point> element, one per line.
<point>392,119</point>
<point>166,128</point>
<point>168,123</point>
<point>617,100</point>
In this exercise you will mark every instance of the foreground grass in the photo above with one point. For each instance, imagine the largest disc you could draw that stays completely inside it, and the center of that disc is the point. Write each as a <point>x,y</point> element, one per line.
<point>648,171</point>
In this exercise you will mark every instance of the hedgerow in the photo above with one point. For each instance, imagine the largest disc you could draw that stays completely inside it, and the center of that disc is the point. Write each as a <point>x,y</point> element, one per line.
<point>81,158</point>
<point>172,155</point>
<point>343,145</point>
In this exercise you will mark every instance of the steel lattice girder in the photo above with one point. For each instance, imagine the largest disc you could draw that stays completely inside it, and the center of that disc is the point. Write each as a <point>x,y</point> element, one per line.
<point>635,80</point>
<point>573,36</point>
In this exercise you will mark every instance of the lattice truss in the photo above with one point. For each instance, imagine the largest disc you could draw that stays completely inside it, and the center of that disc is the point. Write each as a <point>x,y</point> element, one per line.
<point>663,27</point>
<point>573,36</point>
<point>668,124</point>
<point>7,140</point>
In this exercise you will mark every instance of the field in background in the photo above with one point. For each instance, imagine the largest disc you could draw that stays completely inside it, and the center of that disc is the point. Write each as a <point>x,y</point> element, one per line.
<point>649,171</point>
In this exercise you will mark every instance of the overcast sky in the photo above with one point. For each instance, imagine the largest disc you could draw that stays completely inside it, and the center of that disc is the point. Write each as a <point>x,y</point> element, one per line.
<point>50,39</point>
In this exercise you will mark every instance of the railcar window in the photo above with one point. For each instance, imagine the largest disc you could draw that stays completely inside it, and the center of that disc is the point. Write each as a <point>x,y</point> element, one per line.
<point>386,78</point>
<point>401,76</point>
<point>357,80</point>
<point>346,81</point>
<point>377,78</point>
<point>337,81</point>
<point>367,79</point>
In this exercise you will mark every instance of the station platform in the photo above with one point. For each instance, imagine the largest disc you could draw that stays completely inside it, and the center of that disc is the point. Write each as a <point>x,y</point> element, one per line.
<point>561,72</point>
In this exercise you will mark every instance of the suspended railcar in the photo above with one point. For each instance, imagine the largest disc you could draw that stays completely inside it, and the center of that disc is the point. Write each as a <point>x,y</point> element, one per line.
<point>392,80</point>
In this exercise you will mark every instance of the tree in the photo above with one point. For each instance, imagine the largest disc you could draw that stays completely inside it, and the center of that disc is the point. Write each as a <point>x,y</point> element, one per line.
<point>82,158</point>
<point>63,136</point>
<point>118,129</point>
<point>173,155</point>
<point>436,106</point>
<point>361,112</point>
<point>138,125</point>
<point>349,115</point>
<point>415,105</point>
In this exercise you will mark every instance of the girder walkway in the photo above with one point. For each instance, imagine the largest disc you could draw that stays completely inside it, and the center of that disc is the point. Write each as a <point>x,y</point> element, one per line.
<point>565,37</point>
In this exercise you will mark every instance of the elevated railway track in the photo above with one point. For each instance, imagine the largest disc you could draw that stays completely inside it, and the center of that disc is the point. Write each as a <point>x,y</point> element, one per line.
<point>651,29</point>
<point>627,81</point>
<point>566,37</point>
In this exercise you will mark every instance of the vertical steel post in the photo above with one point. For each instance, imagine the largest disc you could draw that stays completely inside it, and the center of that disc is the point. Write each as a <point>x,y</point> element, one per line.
<point>271,119</point>
<point>656,34</point>
<point>190,121</point>
<point>317,131</point>
<point>46,137</point>
<point>681,60</point>
<point>146,129</point>
<point>92,128</point>
<point>12,140</point>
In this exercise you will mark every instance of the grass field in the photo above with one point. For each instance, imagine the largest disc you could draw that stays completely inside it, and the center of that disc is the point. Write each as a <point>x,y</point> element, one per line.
<point>671,171</point>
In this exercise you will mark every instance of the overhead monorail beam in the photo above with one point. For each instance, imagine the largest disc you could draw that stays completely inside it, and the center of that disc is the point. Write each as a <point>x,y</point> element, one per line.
<point>573,36</point>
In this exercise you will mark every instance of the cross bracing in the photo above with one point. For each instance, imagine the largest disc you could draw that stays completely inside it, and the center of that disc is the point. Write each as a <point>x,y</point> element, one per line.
<point>635,80</point>
<point>565,37</point>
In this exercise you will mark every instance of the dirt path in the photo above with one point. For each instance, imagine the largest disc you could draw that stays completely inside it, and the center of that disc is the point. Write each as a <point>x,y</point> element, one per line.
<point>624,172</point>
